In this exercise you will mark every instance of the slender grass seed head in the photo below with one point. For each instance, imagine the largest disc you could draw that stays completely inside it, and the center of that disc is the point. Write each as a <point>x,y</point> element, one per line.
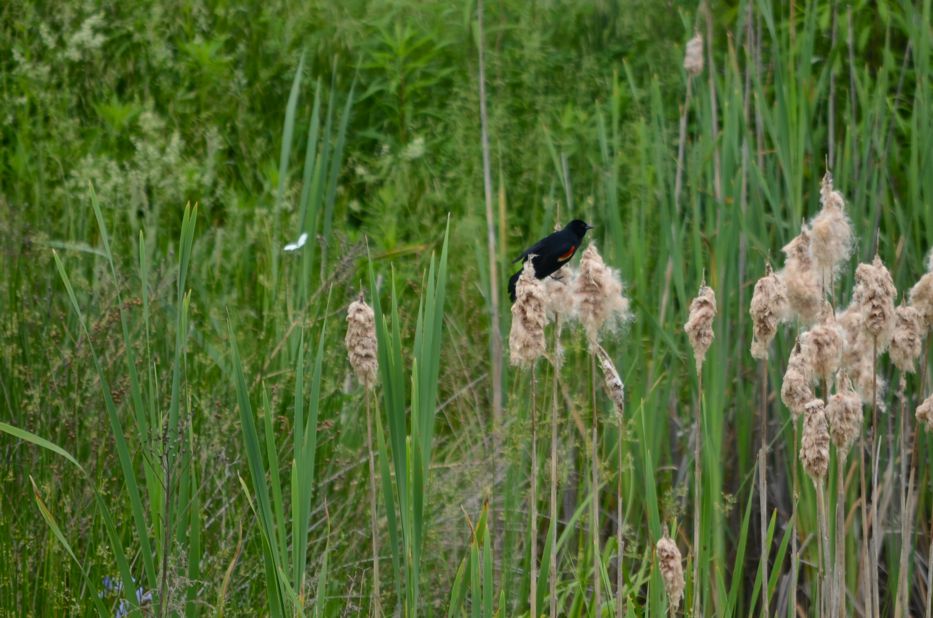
<point>600,303</point>
<point>361,341</point>
<point>670,563</point>
<point>768,309</point>
<point>804,292</point>
<point>844,414</point>
<point>526,339</point>
<point>909,330</point>
<point>796,392</point>
<point>830,231</point>
<point>874,293</point>
<point>693,55</point>
<point>814,445</point>
<point>925,413</point>
<point>699,326</point>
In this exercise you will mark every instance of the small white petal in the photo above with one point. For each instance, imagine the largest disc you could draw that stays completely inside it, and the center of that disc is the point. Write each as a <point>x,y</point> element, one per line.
<point>295,246</point>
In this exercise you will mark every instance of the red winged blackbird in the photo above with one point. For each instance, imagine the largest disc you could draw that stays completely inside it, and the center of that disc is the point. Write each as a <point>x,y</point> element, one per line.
<point>552,252</point>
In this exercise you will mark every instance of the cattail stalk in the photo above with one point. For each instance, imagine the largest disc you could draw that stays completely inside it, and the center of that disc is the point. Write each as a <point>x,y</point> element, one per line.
<point>496,334</point>
<point>552,558</point>
<point>594,503</point>
<point>763,482</point>
<point>876,530</point>
<point>699,329</point>
<point>377,596</point>
<point>533,595</point>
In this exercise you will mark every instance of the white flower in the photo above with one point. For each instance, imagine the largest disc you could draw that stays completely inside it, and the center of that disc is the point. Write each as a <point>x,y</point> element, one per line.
<point>298,244</point>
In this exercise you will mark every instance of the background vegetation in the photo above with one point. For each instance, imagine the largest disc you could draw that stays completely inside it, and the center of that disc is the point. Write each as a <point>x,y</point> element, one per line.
<point>195,375</point>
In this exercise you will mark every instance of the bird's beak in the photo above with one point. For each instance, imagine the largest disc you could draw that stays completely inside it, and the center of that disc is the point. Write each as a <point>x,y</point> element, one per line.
<point>589,227</point>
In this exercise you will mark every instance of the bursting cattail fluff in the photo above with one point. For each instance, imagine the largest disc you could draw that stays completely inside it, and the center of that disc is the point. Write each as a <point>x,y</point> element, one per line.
<point>804,293</point>
<point>925,413</point>
<point>672,570</point>
<point>768,309</point>
<point>844,414</point>
<point>857,355</point>
<point>611,380</point>
<point>693,55</point>
<point>822,346</point>
<point>361,341</point>
<point>598,294</point>
<point>814,445</point>
<point>526,339</point>
<point>909,330</point>
<point>830,231</point>
<point>921,297</point>
<point>795,389</point>
<point>558,294</point>
<point>699,326</point>
<point>874,294</point>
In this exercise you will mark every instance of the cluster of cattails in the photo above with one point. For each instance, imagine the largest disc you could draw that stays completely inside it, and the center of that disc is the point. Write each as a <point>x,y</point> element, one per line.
<point>832,371</point>
<point>593,296</point>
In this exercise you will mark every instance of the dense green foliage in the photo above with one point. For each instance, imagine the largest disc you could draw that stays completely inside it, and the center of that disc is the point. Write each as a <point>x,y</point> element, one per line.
<point>175,398</point>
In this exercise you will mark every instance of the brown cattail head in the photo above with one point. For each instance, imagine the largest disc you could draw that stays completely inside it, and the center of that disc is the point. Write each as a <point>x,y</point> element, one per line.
<point>921,297</point>
<point>559,301</point>
<point>857,355</point>
<point>814,445</point>
<point>693,55</point>
<point>672,570</point>
<point>768,309</point>
<point>909,329</point>
<point>699,326</point>
<point>822,346</point>
<point>804,292</point>
<point>925,413</point>
<point>795,389</point>
<point>526,339</point>
<point>598,292</point>
<point>844,414</point>
<point>615,389</point>
<point>830,232</point>
<point>361,341</point>
<point>874,294</point>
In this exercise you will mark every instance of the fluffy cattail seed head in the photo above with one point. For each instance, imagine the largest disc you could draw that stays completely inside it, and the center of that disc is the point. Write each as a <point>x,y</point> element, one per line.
<point>795,389</point>
<point>814,445</point>
<point>822,346</point>
<point>768,309</point>
<point>804,292</point>
<point>526,339</point>
<point>559,301</point>
<point>874,294</point>
<point>844,413</point>
<point>925,413</point>
<point>699,326</point>
<point>611,380</point>
<point>921,297</point>
<point>693,55</point>
<point>598,292</point>
<point>672,570</point>
<point>909,330</point>
<point>830,231</point>
<point>361,341</point>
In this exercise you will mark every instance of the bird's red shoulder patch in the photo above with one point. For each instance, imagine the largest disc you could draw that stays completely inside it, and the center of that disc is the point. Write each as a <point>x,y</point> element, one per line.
<point>568,255</point>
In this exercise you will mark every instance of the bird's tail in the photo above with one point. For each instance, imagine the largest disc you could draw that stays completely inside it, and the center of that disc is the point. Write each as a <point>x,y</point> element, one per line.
<point>512,283</point>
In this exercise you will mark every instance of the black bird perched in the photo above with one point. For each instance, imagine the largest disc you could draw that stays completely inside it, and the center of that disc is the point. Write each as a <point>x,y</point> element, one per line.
<point>552,252</point>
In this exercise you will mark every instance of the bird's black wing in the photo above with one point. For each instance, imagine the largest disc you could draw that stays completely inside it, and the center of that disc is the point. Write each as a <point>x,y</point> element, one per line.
<point>549,247</point>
